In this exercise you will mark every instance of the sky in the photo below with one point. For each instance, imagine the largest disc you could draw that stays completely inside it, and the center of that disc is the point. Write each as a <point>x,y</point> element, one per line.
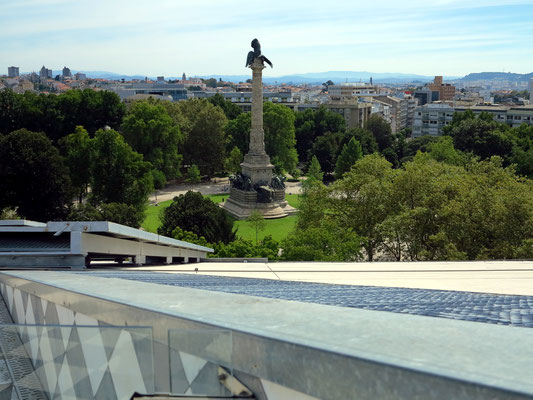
<point>203,37</point>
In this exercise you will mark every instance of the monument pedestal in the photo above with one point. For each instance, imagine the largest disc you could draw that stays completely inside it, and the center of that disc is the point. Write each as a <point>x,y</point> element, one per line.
<point>241,204</point>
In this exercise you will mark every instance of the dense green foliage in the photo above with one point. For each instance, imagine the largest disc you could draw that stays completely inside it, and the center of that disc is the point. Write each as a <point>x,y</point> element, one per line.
<point>78,156</point>
<point>120,213</point>
<point>351,152</point>
<point>58,115</point>
<point>231,110</point>
<point>119,174</point>
<point>149,130</point>
<point>452,209</point>
<point>194,213</point>
<point>34,178</point>
<point>312,124</point>
<point>238,132</point>
<point>204,137</point>
<point>268,248</point>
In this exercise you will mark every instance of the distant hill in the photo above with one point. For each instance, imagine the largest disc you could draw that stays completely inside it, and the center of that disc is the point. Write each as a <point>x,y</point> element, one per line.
<point>497,76</point>
<point>335,76</point>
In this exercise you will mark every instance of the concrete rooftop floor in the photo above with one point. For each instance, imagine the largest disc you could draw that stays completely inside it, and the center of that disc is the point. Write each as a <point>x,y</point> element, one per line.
<point>499,277</point>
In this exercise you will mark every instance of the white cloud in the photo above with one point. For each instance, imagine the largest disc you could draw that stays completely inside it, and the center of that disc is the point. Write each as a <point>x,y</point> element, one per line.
<point>208,36</point>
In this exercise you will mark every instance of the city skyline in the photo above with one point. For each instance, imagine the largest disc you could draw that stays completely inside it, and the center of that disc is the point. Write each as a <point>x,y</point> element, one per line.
<point>203,37</point>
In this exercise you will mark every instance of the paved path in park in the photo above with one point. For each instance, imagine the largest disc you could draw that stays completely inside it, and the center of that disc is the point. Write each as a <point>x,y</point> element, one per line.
<point>215,186</point>
<point>501,309</point>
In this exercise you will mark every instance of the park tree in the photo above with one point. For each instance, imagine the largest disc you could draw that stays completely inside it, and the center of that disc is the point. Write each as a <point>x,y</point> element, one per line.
<point>365,138</point>
<point>311,124</point>
<point>193,174</point>
<point>326,242</point>
<point>233,161</point>
<point>119,213</point>
<point>279,136</point>
<point>35,179</point>
<point>91,109</point>
<point>257,221</point>
<point>231,110</point>
<point>381,131</point>
<point>78,155</point>
<point>119,174</point>
<point>238,133</point>
<point>350,153</point>
<point>314,173</point>
<point>326,148</point>
<point>194,213</point>
<point>420,190</point>
<point>480,135</point>
<point>58,115</point>
<point>149,130</point>
<point>211,82</point>
<point>443,151</point>
<point>492,218</point>
<point>360,201</point>
<point>202,125</point>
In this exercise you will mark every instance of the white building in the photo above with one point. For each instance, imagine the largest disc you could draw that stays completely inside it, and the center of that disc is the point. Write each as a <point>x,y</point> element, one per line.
<point>431,118</point>
<point>346,91</point>
<point>531,91</point>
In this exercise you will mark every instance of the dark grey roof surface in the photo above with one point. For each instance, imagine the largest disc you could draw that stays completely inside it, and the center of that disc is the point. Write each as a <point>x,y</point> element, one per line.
<point>498,309</point>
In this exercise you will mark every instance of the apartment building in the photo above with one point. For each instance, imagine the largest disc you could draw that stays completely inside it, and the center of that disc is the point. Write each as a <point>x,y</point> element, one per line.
<point>12,72</point>
<point>431,118</point>
<point>346,91</point>
<point>399,109</point>
<point>446,91</point>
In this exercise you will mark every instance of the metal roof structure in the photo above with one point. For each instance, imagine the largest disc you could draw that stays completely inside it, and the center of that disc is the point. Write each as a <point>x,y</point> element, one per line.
<point>76,243</point>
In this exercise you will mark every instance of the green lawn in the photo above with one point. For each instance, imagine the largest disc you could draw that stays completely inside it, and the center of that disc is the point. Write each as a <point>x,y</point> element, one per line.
<point>278,228</point>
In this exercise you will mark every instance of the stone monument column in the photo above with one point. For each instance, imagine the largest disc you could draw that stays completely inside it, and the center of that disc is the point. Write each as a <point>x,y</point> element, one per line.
<point>255,189</point>
<point>257,134</point>
<point>256,164</point>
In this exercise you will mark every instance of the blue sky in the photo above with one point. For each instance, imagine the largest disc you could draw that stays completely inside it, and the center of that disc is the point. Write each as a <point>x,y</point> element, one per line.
<point>169,37</point>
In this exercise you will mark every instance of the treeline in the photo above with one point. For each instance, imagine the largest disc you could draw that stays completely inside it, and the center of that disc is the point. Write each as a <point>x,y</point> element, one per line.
<point>88,145</point>
<point>442,203</point>
<point>463,196</point>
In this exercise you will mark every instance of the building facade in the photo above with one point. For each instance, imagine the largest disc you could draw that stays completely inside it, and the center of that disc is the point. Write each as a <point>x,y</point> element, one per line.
<point>12,72</point>
<point>431,118</point>
<point>45,73</point>
<point>446,91</point>
<point>66,73</point>
<point>355,114</point>
<point>346,91</point>
<point>399,109</point>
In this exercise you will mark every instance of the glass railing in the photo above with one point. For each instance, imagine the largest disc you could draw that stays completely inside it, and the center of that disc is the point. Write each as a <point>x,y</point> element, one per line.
<point>88,362</point>
<point>200,361</point>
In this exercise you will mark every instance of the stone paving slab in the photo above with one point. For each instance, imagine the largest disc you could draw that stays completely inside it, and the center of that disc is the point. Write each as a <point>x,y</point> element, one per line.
<point>512,310</point>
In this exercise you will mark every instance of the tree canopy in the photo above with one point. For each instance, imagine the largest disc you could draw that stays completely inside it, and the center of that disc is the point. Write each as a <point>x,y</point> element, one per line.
<point>202,125</point>
<point>34,177</point>
<point>119,174</point>
<point>279,136</point>
<point>194,213</point>
<point>149,130</point>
